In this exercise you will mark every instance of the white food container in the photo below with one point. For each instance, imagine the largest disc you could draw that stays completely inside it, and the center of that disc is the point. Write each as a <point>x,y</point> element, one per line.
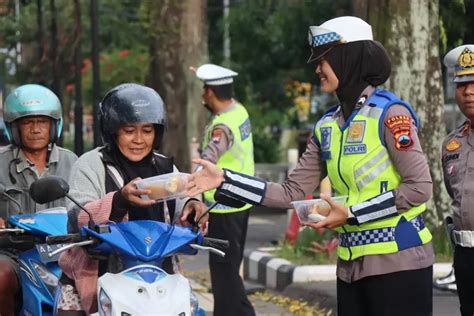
<point>309,210</point>
<point>164,187</point>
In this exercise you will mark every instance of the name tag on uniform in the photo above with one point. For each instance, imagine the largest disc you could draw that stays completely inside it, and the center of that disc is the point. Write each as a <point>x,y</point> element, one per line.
<point>245,129</point>
<point>355,149</point>
<point>451,157</point>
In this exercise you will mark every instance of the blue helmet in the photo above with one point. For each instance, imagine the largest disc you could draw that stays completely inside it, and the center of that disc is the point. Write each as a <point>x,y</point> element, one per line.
<point>32,100</point>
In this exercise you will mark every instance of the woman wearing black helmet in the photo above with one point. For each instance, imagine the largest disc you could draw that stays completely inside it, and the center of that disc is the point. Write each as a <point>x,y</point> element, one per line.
<point>369,148</point>
<point>132,122</point>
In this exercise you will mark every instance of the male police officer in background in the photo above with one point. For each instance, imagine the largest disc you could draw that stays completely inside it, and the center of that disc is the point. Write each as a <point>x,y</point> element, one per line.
<point>227,143</point>
<point>458,170</point>
<point>33,120</point>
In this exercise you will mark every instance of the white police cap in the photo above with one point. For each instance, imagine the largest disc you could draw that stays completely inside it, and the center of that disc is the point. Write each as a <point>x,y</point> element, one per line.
<point>344,29</point>
<point>462,59</point>
<point>214,75</point>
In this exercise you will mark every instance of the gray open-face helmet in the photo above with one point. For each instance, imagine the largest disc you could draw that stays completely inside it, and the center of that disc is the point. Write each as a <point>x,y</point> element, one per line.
<point>131,103</point>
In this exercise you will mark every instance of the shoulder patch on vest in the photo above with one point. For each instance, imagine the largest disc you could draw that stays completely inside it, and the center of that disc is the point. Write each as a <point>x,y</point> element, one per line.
<point>245,129</point>
<point>216,135</point>
<point>400,127</point>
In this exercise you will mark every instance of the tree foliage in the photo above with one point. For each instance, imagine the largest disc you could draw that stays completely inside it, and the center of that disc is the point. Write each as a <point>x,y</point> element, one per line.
<point>268,49</point>
<point>456,23</point>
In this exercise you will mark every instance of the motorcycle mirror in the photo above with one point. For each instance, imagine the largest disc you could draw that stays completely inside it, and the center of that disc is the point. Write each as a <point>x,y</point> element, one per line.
<point>51,188</point>
<point>48,189</point>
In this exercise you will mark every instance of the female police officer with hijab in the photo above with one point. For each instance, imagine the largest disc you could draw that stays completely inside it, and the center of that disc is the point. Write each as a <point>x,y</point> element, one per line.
<point>369,148</point>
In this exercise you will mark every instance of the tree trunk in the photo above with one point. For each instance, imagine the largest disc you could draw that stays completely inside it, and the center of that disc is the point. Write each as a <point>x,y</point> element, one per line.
<point>409,31</point>
<point>179,31</point>
<point>95,57</point>
<point>78,139</point>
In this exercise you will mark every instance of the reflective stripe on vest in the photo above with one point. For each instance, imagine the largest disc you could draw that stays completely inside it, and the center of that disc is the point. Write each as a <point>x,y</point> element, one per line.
<point>239,157</point>
<point>358,165</point>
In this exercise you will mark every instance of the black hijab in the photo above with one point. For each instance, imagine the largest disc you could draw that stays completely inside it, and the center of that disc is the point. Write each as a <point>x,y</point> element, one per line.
<point>133,169</point>
<point>357,65</point>
<point>145,168</point>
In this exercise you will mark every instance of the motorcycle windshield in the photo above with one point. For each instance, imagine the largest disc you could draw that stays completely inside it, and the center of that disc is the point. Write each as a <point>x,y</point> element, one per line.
<point>144,239</point>
<point>41,224</point>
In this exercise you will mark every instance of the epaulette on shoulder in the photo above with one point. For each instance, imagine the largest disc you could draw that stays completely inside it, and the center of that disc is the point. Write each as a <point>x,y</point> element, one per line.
<point>382,98</point>
<point>461,130</point>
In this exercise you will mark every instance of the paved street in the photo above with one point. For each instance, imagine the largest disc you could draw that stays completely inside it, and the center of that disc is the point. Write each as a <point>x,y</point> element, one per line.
<point>265,229</point>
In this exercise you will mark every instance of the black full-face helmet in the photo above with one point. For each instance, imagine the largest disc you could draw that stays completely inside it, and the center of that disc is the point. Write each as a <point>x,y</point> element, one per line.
<point>131,103</point>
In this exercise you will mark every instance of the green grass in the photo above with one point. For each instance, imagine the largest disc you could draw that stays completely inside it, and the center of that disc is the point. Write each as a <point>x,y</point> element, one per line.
<point>303,253</point>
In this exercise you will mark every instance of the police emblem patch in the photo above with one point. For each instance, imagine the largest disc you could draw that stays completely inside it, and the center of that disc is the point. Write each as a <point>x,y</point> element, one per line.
<point>356,132</point>
<point>400,127</point>
<point>245,129</point>
<point>453,145</point>
<point>325,138</point>
<point>466,59</point>
<point>216,135</point>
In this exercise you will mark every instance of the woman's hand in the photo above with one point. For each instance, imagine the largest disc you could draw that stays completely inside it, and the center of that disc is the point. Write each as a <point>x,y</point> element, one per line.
<point>3,223</point>
<point>337,215</point>
<point>209,177</point>
<point>131,193</point>
<point>196,209</point>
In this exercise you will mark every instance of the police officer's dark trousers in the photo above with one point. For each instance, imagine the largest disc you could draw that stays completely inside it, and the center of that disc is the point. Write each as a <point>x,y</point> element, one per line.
<point>407,293</point>
<point>464,271</point>
<point>227,285</point>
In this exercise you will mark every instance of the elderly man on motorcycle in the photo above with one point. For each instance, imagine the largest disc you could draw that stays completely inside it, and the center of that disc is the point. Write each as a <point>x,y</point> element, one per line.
<point>33,119</point>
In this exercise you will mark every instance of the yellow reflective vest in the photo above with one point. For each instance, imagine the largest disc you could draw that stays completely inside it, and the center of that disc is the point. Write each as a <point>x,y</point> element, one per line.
<point>239,157</point>
<point>359,166</point>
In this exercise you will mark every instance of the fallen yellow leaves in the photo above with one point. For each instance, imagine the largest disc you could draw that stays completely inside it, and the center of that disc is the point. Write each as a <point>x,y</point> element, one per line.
<point>296,307</point>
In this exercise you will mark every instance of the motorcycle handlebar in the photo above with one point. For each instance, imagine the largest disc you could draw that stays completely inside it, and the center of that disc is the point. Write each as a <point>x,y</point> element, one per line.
<point>215,243</point>
<point>63,239</point>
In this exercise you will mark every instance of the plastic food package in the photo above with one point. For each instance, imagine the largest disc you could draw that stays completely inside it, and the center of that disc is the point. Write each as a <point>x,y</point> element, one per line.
<point>313,210</point>
<point>164,187</point>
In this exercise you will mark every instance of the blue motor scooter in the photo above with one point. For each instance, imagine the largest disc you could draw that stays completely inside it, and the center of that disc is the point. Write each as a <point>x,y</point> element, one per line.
<point>141,287</point>
<point>39,271</point>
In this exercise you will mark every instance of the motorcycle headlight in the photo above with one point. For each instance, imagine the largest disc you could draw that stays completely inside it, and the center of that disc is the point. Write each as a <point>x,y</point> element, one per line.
<point>48,278</point>
<point>194,304</point>
<point>105,304</point>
